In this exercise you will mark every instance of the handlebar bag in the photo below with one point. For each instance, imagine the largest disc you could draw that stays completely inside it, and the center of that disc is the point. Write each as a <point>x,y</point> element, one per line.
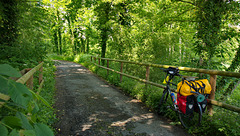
<point>202,86</point>
<point>185,104</point>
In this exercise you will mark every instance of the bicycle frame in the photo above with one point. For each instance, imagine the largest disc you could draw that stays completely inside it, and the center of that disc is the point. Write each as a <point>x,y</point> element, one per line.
<point>169,92</point>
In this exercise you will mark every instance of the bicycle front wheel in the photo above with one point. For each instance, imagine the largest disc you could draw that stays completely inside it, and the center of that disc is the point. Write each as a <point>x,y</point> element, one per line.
<point>162,106</point>
<point>193,119</point>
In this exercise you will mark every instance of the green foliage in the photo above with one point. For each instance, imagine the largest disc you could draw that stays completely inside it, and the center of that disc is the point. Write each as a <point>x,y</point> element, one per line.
<point>21,115</point>
<point>9,71</point>
<point>8,24</point>
<point>24,34</point>
<point>42,130</point>
<point>213,17</point>
<point>3,130</point>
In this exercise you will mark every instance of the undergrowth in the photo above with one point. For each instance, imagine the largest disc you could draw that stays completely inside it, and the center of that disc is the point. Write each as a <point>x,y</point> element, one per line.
<point>222,123</point>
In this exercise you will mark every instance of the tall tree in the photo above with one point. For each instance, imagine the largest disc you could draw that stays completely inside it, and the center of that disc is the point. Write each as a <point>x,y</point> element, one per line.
<point>103,13</point>
<point>59,31</point>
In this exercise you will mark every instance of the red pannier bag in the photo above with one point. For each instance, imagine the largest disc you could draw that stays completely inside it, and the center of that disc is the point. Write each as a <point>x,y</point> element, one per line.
<point>185,103</point>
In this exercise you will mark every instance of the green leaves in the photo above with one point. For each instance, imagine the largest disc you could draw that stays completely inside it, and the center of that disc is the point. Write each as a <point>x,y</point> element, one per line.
<point>42,130</point>
<point>28,133</point>
<point>41,99</point>
<point>3,130</point>
<point>12,121</point>
<point>4,85</point>
<point>9,71</point>
<point>20,122</point>
<point>22,103</point>
<point>19,93</point>
<point>24,120</point>
<point>14,133</point>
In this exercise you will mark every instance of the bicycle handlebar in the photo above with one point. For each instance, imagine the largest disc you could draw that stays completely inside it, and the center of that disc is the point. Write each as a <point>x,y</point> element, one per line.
<point>172,71</point>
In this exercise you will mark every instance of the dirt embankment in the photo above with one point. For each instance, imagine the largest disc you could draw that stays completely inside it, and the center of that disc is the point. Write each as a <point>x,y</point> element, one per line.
<point>87,106</point>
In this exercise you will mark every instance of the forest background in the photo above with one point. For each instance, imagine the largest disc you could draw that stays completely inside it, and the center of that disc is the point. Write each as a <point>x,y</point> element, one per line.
<point>189,33</point>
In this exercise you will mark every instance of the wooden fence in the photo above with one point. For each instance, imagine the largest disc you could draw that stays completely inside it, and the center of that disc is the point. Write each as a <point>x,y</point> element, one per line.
<point>212,73</point>
<point>28,79</point>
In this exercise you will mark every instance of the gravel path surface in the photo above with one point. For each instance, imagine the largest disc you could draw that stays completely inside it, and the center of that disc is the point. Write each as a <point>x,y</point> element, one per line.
<point>87,106</point>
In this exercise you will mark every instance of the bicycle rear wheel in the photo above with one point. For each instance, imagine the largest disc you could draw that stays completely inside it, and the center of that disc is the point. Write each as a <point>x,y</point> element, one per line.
<point>193,119</point>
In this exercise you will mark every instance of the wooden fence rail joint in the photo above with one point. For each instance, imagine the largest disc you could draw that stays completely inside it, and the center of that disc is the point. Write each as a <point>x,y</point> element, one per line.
<point>25,77</point>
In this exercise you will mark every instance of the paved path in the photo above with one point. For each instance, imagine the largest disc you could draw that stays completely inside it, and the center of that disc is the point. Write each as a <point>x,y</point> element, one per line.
<point>87,106</point>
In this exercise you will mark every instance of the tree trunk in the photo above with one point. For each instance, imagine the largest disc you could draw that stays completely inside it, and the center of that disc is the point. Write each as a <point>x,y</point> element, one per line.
<point>87,40</point>
<point>75,41</point>
<point>209,18</point>
<point>55,37</point>
<point>82,43</point>
<point>60,40</point>
<point>70,29</point>
<point>59,33</point>
<point>103,15</point>
<point>103,43</point>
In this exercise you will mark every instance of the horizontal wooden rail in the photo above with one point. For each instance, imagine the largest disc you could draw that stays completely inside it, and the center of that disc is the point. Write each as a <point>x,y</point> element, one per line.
<point>187,69</point>
<point>28,75</point>
<point>133,77</point>
<point>211,101</point>
<point>224,105</point>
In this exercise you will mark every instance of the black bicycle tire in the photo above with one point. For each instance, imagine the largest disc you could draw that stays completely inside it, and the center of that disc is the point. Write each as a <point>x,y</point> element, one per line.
<point>182,117</point>
<point>165,92</point>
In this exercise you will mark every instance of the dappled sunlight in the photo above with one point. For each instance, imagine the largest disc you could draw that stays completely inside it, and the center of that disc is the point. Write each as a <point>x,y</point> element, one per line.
<point>104,86</point>
<point>133,101</point>
<point>92,119</point>
<point>150,121</point>
<point>86,127</point>
<point>94,97</point>
<point>133,119</point>
<point>166,126</point>
<point>82,70</point>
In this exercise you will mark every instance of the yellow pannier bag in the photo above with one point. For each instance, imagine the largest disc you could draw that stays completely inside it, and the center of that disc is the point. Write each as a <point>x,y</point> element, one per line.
<point>202,86</point>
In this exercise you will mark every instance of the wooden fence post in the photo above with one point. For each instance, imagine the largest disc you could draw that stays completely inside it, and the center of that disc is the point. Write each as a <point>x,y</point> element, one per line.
<point>121,70</point>
<point>107,67</point>
<point>147,74</point>
<point>29,82</point>
<point>213,79</point>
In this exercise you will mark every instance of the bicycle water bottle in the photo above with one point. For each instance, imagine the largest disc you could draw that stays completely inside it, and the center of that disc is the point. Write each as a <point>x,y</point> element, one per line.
<point>173,98</point>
